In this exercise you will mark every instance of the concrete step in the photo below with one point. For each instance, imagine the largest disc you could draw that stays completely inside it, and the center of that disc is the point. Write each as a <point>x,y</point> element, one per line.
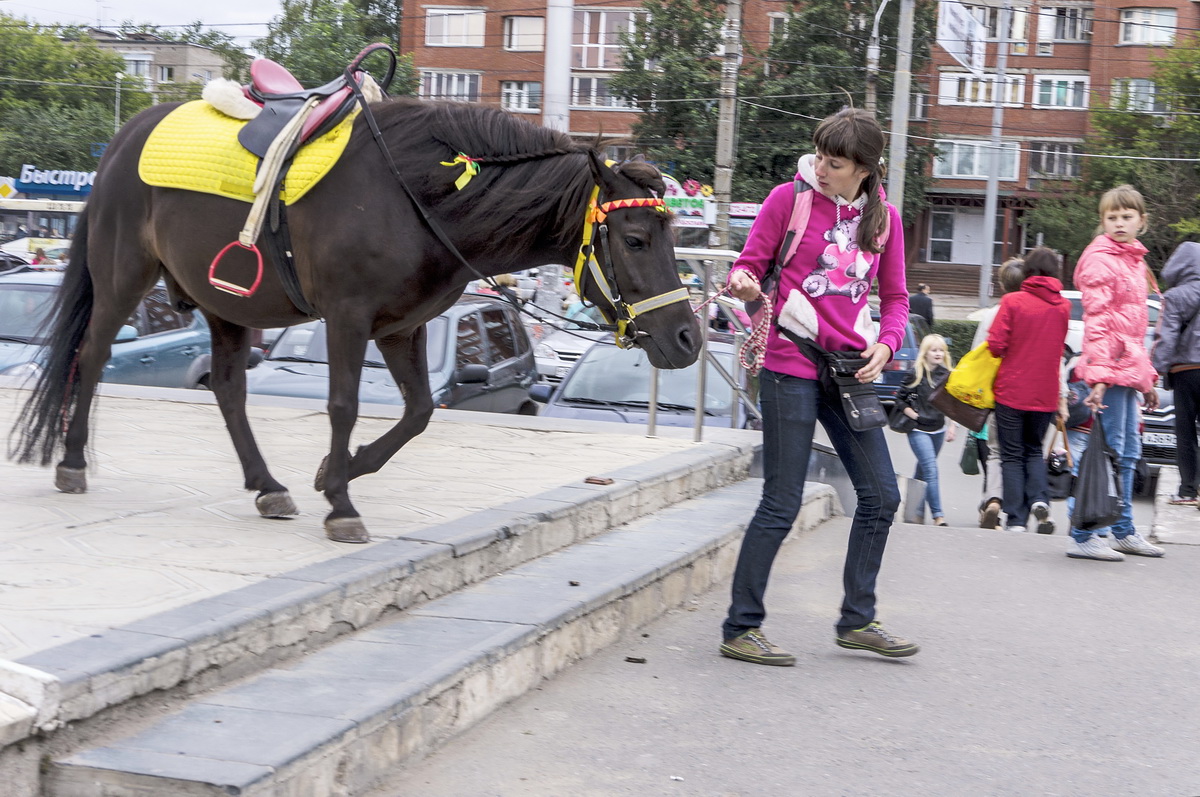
<point>336,720</point>
<point>104,678</point>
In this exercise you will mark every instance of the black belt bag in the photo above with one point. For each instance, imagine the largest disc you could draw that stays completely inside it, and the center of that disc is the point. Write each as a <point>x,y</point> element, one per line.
<point>836,370</point>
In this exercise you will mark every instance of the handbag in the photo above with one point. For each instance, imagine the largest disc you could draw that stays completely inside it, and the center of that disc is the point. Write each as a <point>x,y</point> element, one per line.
<point>1097,489</point>
<point>971,380</point>
<point>899,420</point>
<point>970,457</point>
<point>836,371</point>
<point>972,418</point>
<point>1059,465</point>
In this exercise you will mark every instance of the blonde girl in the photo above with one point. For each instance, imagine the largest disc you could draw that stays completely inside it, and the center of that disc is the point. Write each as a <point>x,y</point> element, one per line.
<point>932,364</point>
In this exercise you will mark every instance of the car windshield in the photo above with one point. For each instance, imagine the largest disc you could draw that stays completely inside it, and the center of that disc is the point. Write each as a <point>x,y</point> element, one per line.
<point>23,308</point>
<point>608,375</point>
<point>306,343</point>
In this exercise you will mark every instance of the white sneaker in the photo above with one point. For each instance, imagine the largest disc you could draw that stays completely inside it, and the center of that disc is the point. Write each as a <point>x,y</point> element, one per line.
<point>1137,545</point>
<point>1021,529</point>
<point>1041,511</point>
<point>1093,548</point>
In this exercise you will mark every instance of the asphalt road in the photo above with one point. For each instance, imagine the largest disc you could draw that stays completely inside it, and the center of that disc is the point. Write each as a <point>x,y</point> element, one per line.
<point>1039,675</point>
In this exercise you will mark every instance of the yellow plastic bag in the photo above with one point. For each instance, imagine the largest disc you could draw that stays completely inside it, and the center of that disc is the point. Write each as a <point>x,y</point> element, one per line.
<point>971,380</point>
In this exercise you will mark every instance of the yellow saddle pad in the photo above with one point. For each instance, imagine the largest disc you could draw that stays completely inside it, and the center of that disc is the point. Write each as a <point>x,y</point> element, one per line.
<point>195,147</point>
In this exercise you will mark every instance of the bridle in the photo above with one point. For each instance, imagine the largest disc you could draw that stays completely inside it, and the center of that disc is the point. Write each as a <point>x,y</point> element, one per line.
<point>619,311</point>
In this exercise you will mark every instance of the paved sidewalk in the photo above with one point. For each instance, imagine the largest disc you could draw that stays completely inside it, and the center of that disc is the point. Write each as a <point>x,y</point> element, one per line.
<point>165,522</point>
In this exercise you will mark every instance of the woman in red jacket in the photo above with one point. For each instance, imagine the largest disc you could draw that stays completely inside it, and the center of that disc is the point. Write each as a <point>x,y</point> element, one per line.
<point>1029,332</point>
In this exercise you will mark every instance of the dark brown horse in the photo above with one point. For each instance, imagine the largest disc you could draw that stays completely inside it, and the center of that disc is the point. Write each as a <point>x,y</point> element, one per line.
<point>366,260</point>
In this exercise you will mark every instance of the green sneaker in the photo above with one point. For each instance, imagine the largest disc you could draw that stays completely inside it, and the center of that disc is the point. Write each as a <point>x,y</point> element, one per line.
<point>752,646</point>
<point>872,637</point>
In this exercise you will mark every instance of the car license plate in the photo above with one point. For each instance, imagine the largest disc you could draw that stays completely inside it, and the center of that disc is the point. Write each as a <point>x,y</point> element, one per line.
<point>1159,439</point>
<point>562,370</point>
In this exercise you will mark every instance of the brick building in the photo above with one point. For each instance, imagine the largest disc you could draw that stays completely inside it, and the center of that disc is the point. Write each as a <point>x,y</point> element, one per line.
<point>1065,57</point>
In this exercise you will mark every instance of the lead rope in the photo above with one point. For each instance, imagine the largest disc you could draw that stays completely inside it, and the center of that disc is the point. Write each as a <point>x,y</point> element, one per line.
<point>753,350</point>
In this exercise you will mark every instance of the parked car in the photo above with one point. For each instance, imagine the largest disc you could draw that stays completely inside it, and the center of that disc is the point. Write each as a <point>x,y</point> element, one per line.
<point>1075,324</point>
<point>904,362</point>
<point>478,353</point>
<point>558,351</point>
<point>12,264</point>
<point>1158,432</point>
<point>158,346</point>
<point>611,384</point>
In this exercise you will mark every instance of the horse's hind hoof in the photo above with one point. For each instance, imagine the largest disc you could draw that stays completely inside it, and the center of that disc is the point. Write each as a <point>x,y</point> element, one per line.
<point>319,479</point>
<point>276,504</point>
<point>346,529</point>
<point>70,480</point>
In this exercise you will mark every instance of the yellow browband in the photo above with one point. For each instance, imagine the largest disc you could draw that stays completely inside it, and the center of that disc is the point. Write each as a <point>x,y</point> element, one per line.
<point>596,214</point>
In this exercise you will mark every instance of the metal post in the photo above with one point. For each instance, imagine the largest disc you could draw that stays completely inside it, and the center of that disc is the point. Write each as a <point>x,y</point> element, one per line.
<point>117,111</point>
<point>702,369</point>
<point>873,59</point>
<point>898,151</point>
<point>727,119</point>
<point>999,90</point>
<point>556,98</point>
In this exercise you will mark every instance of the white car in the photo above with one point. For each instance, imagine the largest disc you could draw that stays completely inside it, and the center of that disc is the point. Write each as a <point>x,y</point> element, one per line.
<point>558,351</point>
<point>1075,325</point>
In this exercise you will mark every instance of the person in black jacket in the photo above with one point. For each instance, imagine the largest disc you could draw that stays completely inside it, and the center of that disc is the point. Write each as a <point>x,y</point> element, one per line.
<point>921,303</point>
<point>1176,356</point>
<point>933,363</point>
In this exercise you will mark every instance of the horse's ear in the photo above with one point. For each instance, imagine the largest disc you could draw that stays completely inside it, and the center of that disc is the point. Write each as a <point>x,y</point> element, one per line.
<point>644,175</point>
<point>605,177</point>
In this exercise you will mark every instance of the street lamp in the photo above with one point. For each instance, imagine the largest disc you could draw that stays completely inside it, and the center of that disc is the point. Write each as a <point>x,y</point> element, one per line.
<point>117,112</point>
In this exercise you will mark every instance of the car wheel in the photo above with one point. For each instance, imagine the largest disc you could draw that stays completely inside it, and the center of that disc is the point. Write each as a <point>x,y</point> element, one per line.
<point>202,383</point>
<point>528,408</point>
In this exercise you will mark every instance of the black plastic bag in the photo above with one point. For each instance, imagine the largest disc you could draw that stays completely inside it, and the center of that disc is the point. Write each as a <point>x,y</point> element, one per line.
<point>1097,486</point>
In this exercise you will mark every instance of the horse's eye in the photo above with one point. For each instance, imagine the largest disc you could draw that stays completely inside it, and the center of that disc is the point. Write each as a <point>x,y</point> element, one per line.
<point>634,243</point>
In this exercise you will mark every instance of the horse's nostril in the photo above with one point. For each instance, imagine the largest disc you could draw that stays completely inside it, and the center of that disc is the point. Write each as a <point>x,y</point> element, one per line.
<point>687,340</point>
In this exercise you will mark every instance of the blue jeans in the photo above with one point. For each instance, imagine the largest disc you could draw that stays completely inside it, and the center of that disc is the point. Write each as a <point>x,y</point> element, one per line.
<point>926,447</point>
<point>1120,419</point>
<point>791,408</point>
<point>1021,433</point>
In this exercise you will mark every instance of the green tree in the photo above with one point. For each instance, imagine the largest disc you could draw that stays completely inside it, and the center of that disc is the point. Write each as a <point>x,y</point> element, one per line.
<point>316,39</point>
<point>58,96</point>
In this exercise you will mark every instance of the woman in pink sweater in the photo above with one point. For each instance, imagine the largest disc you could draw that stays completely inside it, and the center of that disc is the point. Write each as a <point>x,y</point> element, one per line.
<point>1113,278</point>
<point>853,237</point>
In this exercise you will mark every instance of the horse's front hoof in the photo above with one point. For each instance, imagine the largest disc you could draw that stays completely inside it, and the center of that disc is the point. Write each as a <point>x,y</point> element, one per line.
<point>70,480</point>
<point>346,529</point>
<point>319,479</point>
<point>276,504</point>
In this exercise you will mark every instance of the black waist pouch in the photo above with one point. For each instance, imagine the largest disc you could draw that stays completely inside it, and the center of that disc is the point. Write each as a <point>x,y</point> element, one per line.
<point>837,370</point>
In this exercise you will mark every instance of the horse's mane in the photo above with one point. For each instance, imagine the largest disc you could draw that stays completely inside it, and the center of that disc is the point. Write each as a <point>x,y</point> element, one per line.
<point>532,181</point>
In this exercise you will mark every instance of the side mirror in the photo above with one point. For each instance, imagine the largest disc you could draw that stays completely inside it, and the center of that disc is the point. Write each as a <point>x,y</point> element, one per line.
<point>541,392</point>
<point>256,356</point>
<point>126,333</point>
<point>949,341</point>
<point>473,374</point>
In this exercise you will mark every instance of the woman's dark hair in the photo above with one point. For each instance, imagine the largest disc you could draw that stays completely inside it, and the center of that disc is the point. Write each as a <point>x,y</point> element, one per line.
<point>855,135</point>
<point>1042,262</point>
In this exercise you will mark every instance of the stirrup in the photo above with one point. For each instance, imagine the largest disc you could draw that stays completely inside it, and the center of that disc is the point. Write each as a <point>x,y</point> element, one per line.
<point>230,287</point>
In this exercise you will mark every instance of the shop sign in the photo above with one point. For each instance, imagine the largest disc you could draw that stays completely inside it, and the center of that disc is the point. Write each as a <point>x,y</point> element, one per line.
<point>33,180</point>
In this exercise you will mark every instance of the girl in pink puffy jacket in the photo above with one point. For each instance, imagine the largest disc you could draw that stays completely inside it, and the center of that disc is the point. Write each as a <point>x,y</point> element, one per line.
<point>1113,278</point>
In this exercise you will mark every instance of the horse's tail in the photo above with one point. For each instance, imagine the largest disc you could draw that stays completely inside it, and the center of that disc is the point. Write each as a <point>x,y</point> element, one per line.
<point>42,422</point>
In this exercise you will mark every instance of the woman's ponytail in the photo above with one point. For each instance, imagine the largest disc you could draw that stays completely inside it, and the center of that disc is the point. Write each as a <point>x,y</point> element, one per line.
<point>875,214</point>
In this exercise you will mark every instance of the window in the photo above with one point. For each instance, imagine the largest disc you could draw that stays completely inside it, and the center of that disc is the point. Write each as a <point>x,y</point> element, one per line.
<point>1054,159</point>
<point>989,16</point>
<point>470,342</point>
<point>1147,25</point>
<point>166,74</point>
<point>941,236</point>
<point>525,34</point>
<point>517,95</point>
<point>453,27</point>
<point>971,159</point>
<point>137,65</point>
<point>592,92</point>
<point>1064,23</point>
<point>160,315</point>
<point>1137,95</point>
<point>964,89</point>
<point>500,335</point>
<point>918,108</point>
<point>1060,91</point>
<point>779,24</point>
<point>462,86</point>
<point>597,38</point>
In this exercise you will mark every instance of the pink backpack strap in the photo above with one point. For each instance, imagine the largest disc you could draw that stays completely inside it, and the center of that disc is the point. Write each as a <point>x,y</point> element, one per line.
<point>801,210</point>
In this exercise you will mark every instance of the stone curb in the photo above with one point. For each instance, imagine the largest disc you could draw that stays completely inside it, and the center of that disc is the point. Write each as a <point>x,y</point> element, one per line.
<point>232,635</point>
<point>339,719</point>
<point>1174,525</point>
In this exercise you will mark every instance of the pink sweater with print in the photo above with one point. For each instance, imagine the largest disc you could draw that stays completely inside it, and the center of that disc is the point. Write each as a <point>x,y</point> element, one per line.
<point>823,279</point>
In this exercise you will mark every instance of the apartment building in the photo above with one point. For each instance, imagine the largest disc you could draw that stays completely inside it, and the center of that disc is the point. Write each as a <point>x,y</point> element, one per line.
<point>160,61</point>
<point>1065,56</point>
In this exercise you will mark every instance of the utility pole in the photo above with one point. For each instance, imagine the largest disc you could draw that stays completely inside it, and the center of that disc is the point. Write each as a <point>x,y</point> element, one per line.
<point>999,90</point>
<point>898,151</point>
<point>556,99</point>
<point>873,59</point>
<point>727,119</point>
